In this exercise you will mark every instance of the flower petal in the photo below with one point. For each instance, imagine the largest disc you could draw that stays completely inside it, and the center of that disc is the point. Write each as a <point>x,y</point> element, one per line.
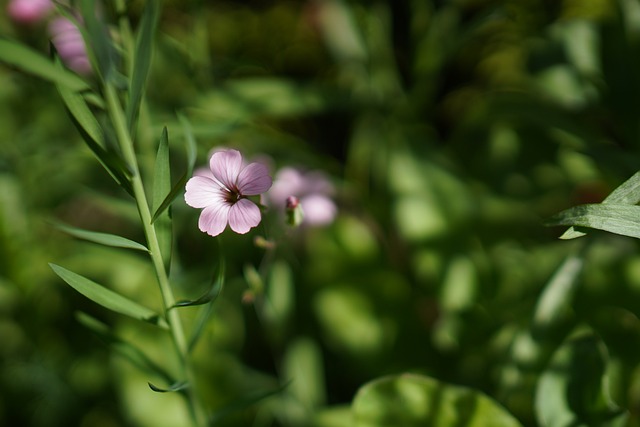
<point>254,179</point>
<point>202,192</point>
<point>213,219</point>
<point>243,216</point>
<point>318,209</point>
<point>225,166</point>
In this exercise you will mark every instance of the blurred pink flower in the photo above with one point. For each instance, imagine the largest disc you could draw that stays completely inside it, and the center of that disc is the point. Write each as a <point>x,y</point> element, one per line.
<point>67,39</point>
<point>29,11</point>
<point>312,190</point>
<point>222,193</point>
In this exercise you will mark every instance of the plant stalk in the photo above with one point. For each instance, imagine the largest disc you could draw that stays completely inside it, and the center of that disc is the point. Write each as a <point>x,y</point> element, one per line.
<point>116,113</point>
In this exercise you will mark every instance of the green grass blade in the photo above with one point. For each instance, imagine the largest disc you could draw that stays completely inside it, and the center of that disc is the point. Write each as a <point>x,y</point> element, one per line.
<point>107,298</point>
<point>101,238</point>
<point>142,60</point>
<point>162,186</point>
<point>176,386</point>
<point>614,218</point>
<point>32,62</point>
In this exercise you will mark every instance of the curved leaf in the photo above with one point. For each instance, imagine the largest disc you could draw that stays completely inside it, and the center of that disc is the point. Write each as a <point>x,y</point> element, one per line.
<point>410,400</point>
<point>26,59</point>
<point>101,238</point>
<point>108,298</point>
<point>177,386</point>
<point>614,218</point>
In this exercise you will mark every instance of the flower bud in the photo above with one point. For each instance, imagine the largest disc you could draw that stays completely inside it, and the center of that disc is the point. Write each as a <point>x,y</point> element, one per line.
<point>29,11</point>
<point>294,212</point>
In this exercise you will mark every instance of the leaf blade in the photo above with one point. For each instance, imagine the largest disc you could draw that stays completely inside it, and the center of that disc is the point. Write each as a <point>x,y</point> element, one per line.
<point>614,218</point>
<point>107,298</point>
<point>105,239</point>
<point>162,186</point>
<point>32,62</point>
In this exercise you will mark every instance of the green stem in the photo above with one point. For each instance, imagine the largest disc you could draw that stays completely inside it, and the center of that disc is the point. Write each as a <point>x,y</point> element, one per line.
<point>173,318</point>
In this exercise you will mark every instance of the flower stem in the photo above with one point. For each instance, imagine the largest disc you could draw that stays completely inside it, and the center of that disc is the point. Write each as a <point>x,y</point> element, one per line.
<point>116,113</point>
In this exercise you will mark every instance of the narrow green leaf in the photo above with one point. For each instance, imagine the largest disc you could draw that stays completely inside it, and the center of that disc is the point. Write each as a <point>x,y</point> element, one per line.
<point>614,218</point>
<point>178,188</point>
<point>101,238</point>
<point>142,60</point>
<point>177,386</point>
<point>205,313</point>
<point>97,39</point>
<point>108,298</point>
<point>628,193</point>
<point>32,62</point>
<point>244,402</point>
<point>162,186</point>
<point>93,136</point>
<point>124,348</point>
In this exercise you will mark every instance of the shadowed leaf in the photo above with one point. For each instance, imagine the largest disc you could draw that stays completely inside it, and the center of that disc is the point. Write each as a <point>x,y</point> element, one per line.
<point>101,238</point>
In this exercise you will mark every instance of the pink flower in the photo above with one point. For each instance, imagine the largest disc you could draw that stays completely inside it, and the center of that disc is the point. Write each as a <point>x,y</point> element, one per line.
<point>67,39</point>
<point>222,194</point>
<point>29,11</point>
<point>312,191</point>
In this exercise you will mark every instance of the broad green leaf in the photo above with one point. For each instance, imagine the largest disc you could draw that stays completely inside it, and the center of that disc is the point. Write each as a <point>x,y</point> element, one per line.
<point>30,61</point>
<point>142,59</point>
<point>101,238</point>
<point>178,188</point>
<point>614,218</point>
<point>628,193</point>
<point>572,390</point>
<point>125,349</point>
<point>107,298</point>
<point>177,386</point>
<point>410,400</point>
<point>161,186</point>
<point>97,39</point>
<point>93,135</point>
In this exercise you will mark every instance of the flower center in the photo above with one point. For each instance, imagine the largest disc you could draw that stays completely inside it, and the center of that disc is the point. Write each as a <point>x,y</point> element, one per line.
<point>232,195</point>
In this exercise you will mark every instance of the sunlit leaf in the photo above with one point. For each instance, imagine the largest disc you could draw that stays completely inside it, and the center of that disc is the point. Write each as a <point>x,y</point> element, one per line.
<point>161,186</point>
<point>101,238</point>
<point>414,401</point>
<point>614,218</point>
<point>142,60</point>
<point>30,61</point>
<point>628,193</point>
<point>124,348</point>
<point>572,390</point>
<point>107,298</point>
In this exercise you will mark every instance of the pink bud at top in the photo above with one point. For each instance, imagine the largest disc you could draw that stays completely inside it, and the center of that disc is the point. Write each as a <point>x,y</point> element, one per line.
<point>29,11</point>
<point>68,41</point>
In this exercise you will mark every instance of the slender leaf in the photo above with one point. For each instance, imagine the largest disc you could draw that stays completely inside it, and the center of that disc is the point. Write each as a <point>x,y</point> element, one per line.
<point>191,149</point>
<point>205,313</point>
<point>161,186</point>
<point>614,218</point>
<point>142,60</point>
<point>244,402</point>
<point>107,298</point>
<point>97,38</point>
<point>101,238</point>
<point>93,136</point>
<point>177,386</point>
<point>30,61</point>
<point>123,348</point>
<point>628,193</point>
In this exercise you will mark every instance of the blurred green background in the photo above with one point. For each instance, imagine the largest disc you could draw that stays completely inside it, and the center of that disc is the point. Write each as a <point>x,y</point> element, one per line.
<point>451,130</point>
